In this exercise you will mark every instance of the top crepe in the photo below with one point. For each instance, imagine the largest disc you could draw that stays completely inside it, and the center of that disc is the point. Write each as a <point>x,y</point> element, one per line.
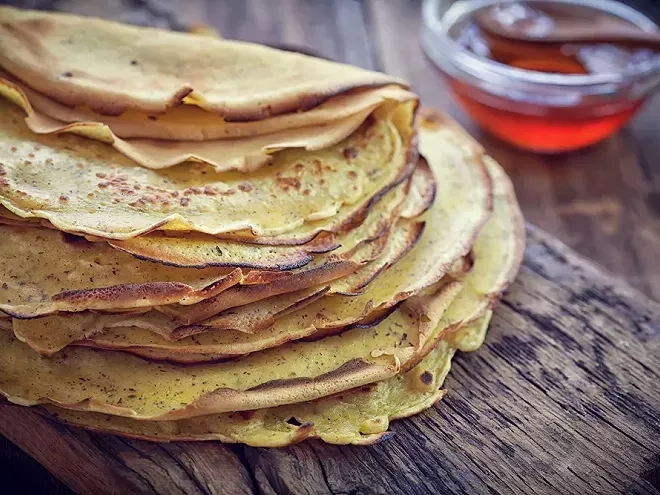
<point>111,68</point>
<point>195,134</point>
<point>188,122</point>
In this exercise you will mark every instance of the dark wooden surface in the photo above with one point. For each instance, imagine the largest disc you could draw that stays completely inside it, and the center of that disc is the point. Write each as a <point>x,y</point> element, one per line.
<point>564,397</point>
<point>604,202</point>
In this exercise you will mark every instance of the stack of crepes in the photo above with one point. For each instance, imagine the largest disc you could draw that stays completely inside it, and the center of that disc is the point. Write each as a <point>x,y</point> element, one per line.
<point>206,239</point>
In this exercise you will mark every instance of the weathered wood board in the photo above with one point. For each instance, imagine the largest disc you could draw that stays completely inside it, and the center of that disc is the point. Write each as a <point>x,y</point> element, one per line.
<point>564,397</point>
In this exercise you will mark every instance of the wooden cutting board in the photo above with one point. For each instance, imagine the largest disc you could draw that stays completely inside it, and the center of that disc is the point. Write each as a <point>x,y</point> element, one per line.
<point>564,397</point>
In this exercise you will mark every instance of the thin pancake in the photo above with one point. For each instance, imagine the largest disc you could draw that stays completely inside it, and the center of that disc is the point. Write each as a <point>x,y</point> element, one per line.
<point>86,187</point>
<point>241,154</point>
<point>66,273</point>
<point>124,385</point>
<point>50,334</point>
<point>463,203</point>
<point>111,68</point>
<point>311,322</point>
<point>60,272</point>
<point>346,218</point>
<point>328,313</point>
<point>381,205</point>
<point>191,123</point>
<point>322,367</point>
<point>358,417</point>
<point>384,245</point>
<point>200,250</point>
<point>497,255</point>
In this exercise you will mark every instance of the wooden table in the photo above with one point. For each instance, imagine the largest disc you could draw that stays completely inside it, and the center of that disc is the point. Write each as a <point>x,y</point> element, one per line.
<point>604,202</point>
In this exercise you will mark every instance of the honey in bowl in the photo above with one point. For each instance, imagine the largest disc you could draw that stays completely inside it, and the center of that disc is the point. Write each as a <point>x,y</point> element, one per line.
<point>547,97</point>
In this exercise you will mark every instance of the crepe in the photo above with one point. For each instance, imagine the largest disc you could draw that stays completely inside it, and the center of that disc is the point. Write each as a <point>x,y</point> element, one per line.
<point>51,334</point>
<point>111,68</point>
<point>188,123</point>
<point>244,154</point>
<point>349,218</point>
<point>463,203</point>
<point>123,385</point>
<point>67,273</point>
<point>304,266</point>
<point>201,250</point>
<point>496,253</point>
<point>206,239</point>
<point>360,416</point>
<point>191,123</point>
<point>462,185</point>
<point>46,271</point>
<point>85,187</point>
<point>419,339</point>
<point>311,322</point>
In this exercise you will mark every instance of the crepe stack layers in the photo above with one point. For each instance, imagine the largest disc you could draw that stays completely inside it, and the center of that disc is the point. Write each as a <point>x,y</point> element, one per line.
<point>204,239</point>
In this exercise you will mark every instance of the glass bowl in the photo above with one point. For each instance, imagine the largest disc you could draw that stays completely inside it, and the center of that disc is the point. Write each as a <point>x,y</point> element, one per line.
<point>538,111</point>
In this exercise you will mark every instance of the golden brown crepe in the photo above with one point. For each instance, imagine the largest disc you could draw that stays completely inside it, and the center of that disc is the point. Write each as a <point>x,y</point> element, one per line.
<point>44,271</point>
<point>124,385</point>
<point>360,416</point>
<point>496,254</point>
<point>244,154</point>
<point>191,123</point>
<point>82,186</point>
<point>111,68</point>
<point>463,203</point>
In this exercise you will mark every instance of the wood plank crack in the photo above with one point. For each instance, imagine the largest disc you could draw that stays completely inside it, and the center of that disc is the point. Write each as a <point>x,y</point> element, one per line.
<point>239,452</point>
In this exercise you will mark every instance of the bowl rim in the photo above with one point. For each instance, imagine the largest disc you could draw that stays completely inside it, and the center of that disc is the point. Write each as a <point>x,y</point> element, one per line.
<point>475,65</point>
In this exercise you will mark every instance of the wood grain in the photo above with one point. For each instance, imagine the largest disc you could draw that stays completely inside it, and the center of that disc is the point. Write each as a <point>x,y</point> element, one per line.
<point>564,397</point>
